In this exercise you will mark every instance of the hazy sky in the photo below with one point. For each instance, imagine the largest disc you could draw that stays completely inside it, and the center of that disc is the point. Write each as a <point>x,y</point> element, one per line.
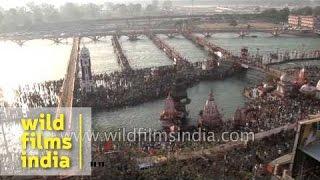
<point>14,3</point>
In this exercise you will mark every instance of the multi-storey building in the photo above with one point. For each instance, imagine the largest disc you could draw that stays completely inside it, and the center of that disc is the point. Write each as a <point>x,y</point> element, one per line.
<point>308,22</point>
<point>294,21</point>
<point>304,22</point>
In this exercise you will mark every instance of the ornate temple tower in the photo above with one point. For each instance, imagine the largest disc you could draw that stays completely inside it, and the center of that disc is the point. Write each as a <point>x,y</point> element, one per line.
<point>210,116</point>
<point>86,82</point>
<point>169,111</point>
<point>284,86</point>
<point>302,77</point>
<point>318,90</point>
<point>170,117</point>
<point>175,113</point>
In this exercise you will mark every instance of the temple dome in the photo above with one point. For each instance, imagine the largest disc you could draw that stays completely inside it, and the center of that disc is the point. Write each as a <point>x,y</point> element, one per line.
<point>284,78</point>
<point>318,85</point>
<point>307,88</point>
<point>302,75</point>
<point>267,85</point>
<point>210,109</point>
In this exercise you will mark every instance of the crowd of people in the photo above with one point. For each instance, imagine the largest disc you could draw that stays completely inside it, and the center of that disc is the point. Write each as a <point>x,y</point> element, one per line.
<point>245,161</point>
<point>120,89</point>
<point>9,146</point>
<point>269,111</point>
<point>38,94</point>
<point>313,73</point>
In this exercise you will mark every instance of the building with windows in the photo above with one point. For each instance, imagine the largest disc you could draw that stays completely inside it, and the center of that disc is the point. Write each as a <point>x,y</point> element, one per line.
<point>294,21</point>
<point>308,22</point>
<point>304,22</point>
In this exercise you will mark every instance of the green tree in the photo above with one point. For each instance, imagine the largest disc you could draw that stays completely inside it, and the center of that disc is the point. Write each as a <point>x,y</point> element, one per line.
<point>284,14</point>
<point>155,4</point>
<point>149,9</point>
<point>305,11</point>
<point>50,13</point>
<point>36,13</point>
<point>316,11</point>
<point>70,12</point>
<point>233,22</point>
<point>91,11</point>
<point>134,9</point>
<point>122,10</point>
<point>167,5</point>
<point>274,15</point>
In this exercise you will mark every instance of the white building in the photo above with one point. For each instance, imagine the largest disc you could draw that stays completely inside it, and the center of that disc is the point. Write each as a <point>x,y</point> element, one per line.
<point>284,86</point>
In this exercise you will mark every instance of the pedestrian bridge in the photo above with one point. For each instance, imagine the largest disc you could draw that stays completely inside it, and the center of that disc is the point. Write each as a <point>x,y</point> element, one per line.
<point>67,90</point>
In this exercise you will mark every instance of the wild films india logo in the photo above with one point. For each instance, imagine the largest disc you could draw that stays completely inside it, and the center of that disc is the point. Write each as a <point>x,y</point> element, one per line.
<point>46,142</point>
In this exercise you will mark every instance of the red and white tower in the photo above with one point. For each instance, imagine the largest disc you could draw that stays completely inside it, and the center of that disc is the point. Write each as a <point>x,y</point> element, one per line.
<point>302,77</point>
<point>210,116</point>
<point>86,82</point>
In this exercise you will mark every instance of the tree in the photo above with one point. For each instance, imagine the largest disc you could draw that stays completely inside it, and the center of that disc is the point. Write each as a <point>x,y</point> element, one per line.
<point>9,19</point>
<point>123,10</point>
<point>70,11</point>
<point>50,13</point>
<point>233,22</point>
<point>274,15</point>
<point>149,9</point>
<point>284,14</point>
<point>167,5</point>
<point>36,13</point>
<point>305,11</point>
<point>24,17</point>
<point>316,11</point>
<point>90,11</point>
<point>134,9</point>
<point>155,4</point>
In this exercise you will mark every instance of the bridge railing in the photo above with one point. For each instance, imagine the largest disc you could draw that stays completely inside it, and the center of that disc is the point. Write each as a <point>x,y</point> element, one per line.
<point>122,58</point>
<point>170,52</point>
<point>67,90</point>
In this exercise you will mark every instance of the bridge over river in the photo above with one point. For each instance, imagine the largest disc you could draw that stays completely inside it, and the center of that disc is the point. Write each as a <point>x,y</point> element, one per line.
<point>68,88</point>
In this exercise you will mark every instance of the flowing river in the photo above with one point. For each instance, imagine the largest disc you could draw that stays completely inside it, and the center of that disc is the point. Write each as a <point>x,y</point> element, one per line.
<point>41,60</point>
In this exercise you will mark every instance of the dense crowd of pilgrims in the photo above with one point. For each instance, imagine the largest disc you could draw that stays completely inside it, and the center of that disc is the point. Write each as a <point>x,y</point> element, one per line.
<point>261,113</point>
<point>38,94</point>
<point>119,89</point>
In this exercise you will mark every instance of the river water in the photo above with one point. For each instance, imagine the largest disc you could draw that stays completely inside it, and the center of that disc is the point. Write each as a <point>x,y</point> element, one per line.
<point>265,42</point>
<point>40,60</point>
